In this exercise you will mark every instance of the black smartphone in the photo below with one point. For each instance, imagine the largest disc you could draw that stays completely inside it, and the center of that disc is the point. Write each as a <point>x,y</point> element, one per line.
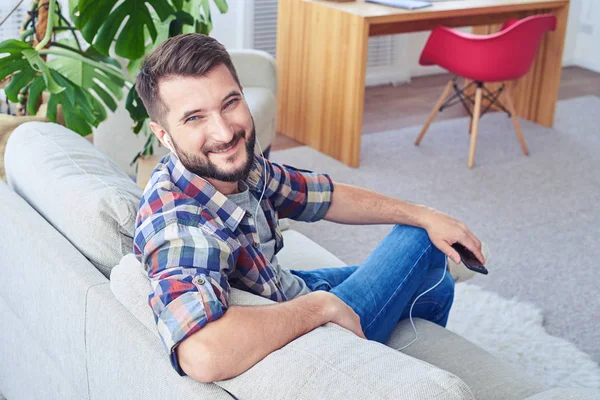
<point>469,259</point>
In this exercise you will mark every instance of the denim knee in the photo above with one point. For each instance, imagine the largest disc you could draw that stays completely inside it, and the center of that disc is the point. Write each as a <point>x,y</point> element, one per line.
<point>412,233</point>
<point>445,297</point>
<point>416,235</point>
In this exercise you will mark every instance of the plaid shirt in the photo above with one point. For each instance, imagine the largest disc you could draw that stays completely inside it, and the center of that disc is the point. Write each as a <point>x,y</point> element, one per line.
<point>196,243</point>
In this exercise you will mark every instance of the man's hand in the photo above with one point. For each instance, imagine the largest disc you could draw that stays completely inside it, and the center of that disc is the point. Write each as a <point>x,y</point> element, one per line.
<point>444,231</point>
<point>340,313</point>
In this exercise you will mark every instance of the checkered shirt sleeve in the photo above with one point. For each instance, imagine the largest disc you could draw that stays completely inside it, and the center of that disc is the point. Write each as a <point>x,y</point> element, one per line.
<point>295,193</point>
<point>187,265</point>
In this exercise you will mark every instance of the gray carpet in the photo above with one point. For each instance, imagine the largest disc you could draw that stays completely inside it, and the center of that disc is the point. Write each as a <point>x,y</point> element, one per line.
<point>539,214</point>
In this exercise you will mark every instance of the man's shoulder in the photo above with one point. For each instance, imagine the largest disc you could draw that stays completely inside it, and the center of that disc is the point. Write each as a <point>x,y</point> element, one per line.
<point>163,202</point>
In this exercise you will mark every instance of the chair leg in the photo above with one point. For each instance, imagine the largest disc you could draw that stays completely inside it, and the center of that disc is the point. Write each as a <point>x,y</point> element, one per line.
<point>475,126</point>
<point>435,110</point>
<point>515,118</point>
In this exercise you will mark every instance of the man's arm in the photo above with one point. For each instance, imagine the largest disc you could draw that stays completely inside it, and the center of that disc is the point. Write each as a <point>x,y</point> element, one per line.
<point>354,205</point>
<point>294,193</point>
<point>243,336</point>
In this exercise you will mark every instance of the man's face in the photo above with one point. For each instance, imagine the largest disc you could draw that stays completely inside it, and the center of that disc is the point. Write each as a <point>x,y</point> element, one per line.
<point>210,124</point>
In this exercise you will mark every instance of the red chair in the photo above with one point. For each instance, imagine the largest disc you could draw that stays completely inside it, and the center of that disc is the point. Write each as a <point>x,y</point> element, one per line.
<point>499,57</point>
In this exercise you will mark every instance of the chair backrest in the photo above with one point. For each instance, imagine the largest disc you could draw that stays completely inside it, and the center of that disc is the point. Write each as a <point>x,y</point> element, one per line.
<point>523,37</point>
<point>501,56</point>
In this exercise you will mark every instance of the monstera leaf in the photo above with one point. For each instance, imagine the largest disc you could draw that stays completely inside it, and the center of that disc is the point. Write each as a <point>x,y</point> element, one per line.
<point>91,78</point>
<point>101,31</point>
<point>25,64</point>
<point>136,109</point>
<point>173,25</point>
<point>77,106</point>
<point>32,74</point>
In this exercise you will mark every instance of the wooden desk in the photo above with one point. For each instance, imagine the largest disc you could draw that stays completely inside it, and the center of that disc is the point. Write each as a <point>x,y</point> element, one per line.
<point>322,58</point>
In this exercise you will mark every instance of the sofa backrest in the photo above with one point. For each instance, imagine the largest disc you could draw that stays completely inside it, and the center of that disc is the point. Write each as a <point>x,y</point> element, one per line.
<point>79,190</point>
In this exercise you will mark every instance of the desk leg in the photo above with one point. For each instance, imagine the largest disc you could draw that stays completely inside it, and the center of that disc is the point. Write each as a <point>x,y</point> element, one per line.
<point>321,62</point>
<point>535,95</point>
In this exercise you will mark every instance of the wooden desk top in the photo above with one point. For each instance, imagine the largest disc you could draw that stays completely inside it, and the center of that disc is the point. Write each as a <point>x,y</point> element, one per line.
<point>376,13</point>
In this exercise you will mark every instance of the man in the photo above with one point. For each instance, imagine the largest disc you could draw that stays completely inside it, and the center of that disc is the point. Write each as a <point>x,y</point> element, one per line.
<point>208,221</point>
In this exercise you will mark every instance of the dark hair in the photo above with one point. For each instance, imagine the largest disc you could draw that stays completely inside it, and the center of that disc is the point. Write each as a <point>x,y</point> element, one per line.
<point>190,54</point>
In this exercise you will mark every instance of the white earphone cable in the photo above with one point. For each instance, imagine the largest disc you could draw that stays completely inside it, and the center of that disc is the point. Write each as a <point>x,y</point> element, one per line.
<point>264,186</point>
<point>412,305</point>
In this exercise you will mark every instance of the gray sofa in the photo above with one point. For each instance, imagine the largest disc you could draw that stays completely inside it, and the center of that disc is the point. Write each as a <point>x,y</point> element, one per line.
<point>68,332</point>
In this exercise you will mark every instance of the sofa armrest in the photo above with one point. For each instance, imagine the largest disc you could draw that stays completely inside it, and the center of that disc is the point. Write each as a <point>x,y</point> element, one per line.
<point>44,283</point>
<point>255,68</point>
<point>489,377</point>
<point>126,360</point>
<point>328,362</point>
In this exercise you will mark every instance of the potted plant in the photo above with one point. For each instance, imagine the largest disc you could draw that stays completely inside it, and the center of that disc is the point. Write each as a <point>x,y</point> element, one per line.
<point>87,62</point>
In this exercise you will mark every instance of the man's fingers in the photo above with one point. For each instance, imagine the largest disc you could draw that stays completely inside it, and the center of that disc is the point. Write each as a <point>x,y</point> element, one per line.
<point>471,244</point>
<point>450,252</point>
<point>477,248</point>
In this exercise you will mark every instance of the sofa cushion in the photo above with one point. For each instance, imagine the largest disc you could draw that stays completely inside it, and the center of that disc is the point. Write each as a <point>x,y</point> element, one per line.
<point>299,252</point>
<point>8,123</point>
<point>80,191</point>
<point>130,283</point>
<point>328,362</point>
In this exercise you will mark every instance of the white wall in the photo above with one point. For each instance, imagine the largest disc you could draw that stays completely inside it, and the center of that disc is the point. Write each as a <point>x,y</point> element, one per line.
<point>587,42</point>
<point>232,28</point>
<point>573,26</point>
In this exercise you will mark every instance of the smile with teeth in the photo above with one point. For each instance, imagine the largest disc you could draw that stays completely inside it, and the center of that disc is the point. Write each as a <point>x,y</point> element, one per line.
<point>225,150</point>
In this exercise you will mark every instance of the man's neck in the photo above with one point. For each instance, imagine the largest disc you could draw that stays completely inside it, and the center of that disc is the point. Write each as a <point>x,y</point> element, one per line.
<point>226,188</point>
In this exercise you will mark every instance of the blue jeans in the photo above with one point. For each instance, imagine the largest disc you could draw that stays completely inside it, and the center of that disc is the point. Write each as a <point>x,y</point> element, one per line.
<point>382,289</point>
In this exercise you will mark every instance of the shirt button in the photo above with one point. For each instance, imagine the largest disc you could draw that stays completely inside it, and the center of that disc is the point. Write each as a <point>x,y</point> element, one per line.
<point>248,215</point>
<point>201,281</point>
<point>255,245</point>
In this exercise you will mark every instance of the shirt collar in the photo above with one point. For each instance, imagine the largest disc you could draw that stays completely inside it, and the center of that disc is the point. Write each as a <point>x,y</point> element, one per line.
<point>207,195</point>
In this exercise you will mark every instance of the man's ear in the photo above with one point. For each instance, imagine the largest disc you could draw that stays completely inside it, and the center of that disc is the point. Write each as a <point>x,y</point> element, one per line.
<point>160,133</point>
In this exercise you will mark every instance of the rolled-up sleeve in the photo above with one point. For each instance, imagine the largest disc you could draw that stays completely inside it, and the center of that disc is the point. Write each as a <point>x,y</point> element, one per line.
<point>298,194</point>
<point>187,269</point>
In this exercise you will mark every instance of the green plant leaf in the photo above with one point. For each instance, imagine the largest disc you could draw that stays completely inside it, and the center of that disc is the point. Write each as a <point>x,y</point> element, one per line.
<point>77,106</point>
<point>130,16</point>
<point>136,109</point>
<point>72,7</point>
<point>202,28</point>
<point>39,65</point>
<point>222,6</point>
<point>18,82</point>
<point>181,18</point>
<point>35,91</point>
<point>10,64</point>
<point>162,29</point>
<point>27,66</point>
<point>206,14</point>
<point>99,109</point>
<point>92,79</point>
<point>95,55</point>
<point>13,46</point>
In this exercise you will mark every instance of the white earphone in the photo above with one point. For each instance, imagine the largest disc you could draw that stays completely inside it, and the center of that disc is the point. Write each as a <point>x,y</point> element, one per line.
<point>168,142</point>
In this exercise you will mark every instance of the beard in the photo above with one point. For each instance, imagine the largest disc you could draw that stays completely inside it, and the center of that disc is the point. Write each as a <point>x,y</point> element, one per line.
<point>203,167</point>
